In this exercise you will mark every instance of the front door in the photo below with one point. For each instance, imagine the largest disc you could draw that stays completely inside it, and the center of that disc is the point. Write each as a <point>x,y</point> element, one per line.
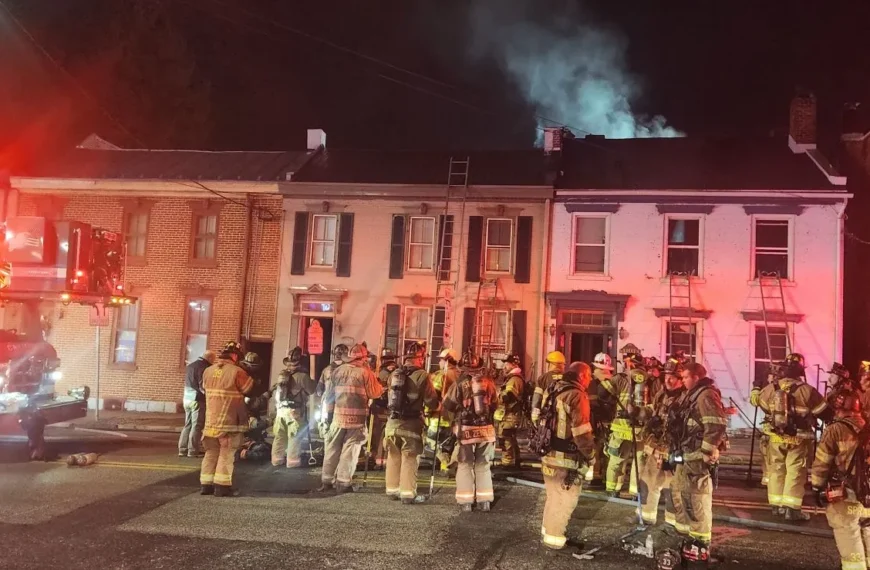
<point>584,346</point>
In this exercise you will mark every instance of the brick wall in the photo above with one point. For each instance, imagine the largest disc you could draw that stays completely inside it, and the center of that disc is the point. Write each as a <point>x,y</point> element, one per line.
<point>162,284</point>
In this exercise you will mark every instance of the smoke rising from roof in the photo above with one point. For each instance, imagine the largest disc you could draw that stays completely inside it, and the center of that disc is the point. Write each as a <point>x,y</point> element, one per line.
<point>572,74</point>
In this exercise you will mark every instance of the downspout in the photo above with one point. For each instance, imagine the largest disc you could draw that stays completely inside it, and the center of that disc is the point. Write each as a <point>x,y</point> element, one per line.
<point>543,287</point>
<point>246,261</point>
<point>838,282</point>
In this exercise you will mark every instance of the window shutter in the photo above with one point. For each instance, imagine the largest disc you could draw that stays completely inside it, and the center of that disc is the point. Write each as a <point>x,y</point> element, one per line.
<point>345,245</point>
<point>437,341</point>
<point>397,248</point>
<point>445,244</point>
<point>392,326</point>
<point>469,314</point>
<point>475,248</point>
<point>518,340</point>
<point>523,272</point>
<point>300,244</point>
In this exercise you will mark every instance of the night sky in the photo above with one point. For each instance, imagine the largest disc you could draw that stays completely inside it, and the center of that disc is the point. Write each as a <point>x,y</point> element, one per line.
<point>706,67</point>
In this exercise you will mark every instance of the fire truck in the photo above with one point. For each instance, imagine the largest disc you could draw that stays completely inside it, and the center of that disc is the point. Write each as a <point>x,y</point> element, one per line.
<point>44,266</point>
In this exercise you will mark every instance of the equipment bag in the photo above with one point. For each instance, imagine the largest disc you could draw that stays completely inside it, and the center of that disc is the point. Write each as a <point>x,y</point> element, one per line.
<point>782,411</point>
<point>541,439</point>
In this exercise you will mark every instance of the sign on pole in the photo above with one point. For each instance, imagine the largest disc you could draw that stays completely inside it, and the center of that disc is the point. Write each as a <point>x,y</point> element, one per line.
<point>315,337</point>
<point>98,316</point>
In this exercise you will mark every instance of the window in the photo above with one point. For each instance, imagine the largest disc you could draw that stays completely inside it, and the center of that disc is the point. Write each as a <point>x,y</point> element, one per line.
<point>494,327</point>
<point>778,348</point>
<point>324,232</point>
<point>136,234</point>
<point>205,236</point>
<point>771,255</point>
<point>416,326</point>
<point>421,244</point>
<point>684,246</point>
<point>197,324</point>
<point>590,244</point>
<point>681,336</point>
<point>126,333</point>
<point>499,239</point>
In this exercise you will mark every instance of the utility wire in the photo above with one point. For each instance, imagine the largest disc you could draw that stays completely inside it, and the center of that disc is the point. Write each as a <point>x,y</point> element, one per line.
<point>263,213</point>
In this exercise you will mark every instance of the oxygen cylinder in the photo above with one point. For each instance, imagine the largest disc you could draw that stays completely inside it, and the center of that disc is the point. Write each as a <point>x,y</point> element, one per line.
<point>640,396</point>
<point>478,396</point>
<point>396,393</point>
<point>780,410</point>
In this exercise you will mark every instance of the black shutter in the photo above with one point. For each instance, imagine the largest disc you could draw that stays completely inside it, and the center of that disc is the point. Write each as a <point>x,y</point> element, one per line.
<point>469,314</point>
<point>300,244</point>
<point>445,245</point>
<point>437,343</point>
<point>475,248</point>
<point>392,325</point>
<point>397,248</point>
<point>518,342</point>
<point>523,271</point>
<point>345,245</point>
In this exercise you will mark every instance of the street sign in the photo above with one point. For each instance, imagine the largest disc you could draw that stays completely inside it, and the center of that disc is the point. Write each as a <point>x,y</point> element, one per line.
<point>98,316</point>
<point>315,337</point>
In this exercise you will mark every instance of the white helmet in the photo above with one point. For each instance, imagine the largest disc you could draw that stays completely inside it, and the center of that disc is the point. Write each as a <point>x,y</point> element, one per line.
<point>449,354</point>
<point>602,361</point>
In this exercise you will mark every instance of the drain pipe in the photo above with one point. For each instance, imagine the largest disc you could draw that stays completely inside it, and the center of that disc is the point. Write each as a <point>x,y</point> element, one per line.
<point>837,356</point>
<point>543,287</point>
<point>246,261</point>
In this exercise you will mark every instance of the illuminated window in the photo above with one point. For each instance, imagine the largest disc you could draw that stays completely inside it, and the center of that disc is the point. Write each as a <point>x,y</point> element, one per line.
<point>778,349</point>
<point>416,325</point>
<point>197,325</point>
<point>684,246</point>
<point>494,327</point>
<point>421,244</point>
<point>205,236</point>
<point>126,334</point>
<point>590,244</point>
<point>499,242</point>
<point>682,336</point>
<point>772,247</point>
<point>324,229</point>
<point>136,234</point>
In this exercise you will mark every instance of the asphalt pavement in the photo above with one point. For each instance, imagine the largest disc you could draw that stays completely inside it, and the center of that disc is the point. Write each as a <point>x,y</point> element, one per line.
<point>139,507</point>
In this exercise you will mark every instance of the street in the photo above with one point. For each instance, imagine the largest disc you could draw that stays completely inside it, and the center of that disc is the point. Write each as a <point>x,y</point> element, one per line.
<point>139,507</point>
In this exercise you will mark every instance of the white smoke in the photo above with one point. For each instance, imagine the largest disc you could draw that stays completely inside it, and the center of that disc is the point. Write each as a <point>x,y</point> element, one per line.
<point>572,74</point>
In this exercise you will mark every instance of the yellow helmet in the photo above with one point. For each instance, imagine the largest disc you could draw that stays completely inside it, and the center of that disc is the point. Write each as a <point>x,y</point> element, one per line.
<point>449,354</point>
<point>556,357</point>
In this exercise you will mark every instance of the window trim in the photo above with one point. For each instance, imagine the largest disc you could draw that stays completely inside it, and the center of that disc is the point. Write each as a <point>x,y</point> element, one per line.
<point>185,332</point>
<point>753,325</point>
<point>197,211</point>
<point>701,218</point>
<point>511,248</point>
<point>434,245</point>
<point>310,245</point>
<point>572,272</point>
<point>508,336</point>
<point>115,329</point>
<point>790,218</point>
<point>137,207</point>
<point>404,336</point>
<point>699,337</point>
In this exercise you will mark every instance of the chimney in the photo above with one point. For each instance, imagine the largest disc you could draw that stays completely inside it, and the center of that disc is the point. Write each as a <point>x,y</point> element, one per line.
<point>802,122</point>
<point>316,139</point>
<point>552,139</point>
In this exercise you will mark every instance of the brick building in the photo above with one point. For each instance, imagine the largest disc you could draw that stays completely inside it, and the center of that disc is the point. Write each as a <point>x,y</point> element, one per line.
<point>203,233</point>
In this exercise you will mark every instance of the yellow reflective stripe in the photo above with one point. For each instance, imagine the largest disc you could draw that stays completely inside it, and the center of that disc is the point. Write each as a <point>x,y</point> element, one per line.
<point>485,495</point>
<point>707,446</point>
<point>822,455</point>
<point>702,536</point>
<point>469,496</point>
<point>793,502</point>
<point>580,430</point>
<point>801,409</point>
<point>670,518</point>
<point>820,408</point>
<point>774,500</point>
<point>555,541</point>
<point>714,420</point>
<point>539,390</point>
<point>235,394</point>
<point>649,514</point>
<point>848,564</point>
<point>681,527</point>
<point>393,491</point>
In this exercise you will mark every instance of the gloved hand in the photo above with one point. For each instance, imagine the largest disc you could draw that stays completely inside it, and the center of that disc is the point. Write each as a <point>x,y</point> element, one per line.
<point>712,457</point>
<point>820,496</point>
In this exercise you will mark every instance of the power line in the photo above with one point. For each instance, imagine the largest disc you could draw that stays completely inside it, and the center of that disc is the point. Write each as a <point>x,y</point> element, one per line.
<point>268,217</point>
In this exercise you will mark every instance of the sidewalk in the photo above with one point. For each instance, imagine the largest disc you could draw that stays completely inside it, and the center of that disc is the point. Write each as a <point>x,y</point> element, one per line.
<point>128,421</point>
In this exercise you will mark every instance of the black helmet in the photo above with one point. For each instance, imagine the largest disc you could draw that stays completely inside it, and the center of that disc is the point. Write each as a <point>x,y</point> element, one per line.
<point>838,369</point>
<point>635,358</point>
<point>387,355</point>
<point>232,348</point>
<point>652,362</point>
<point>339,352</point>
<point>673,365</point>
<point>513,359</point>
<point>847,401</point>
<point>295,357</point>
<point>470,360</point>
<point>253,359</point>
<point>415,350</point>
<point>794,366</point>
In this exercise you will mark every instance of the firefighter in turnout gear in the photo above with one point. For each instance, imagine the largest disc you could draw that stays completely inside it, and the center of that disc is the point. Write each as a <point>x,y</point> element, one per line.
<point>555,368</point>
<point>765,429</point>
<point>437,423</point>
<point>834,481</point>
<point>338,354</point>
<point>291,404</point>
<point>657,447</point>
<point>864,386</point>
<point>509,414</point>
<point>791,406</point>
<point>601,403</point>
<point>698,434</point>
<point>631,392</point>
<point>472,401</point>
<point>226,420</point>
<point>346,402</point>
<point>408,389</point>
<point>571,448</point>
<point>378,410</point>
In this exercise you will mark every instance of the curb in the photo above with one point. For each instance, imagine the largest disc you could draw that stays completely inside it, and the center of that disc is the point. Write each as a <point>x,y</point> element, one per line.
<point>793,529</point>
<point>119,427</point>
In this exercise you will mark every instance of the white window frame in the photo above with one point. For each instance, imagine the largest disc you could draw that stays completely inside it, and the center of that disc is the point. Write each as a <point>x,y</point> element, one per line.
<point>773,218</point>
<point>700,218</point>
<point>433,243</point>
<point>759,325</point>
<point>510,248</point>
<point>607,217</point>
<point>312,242</point>
<point>405,312</point>
<point>699,338</point>
<point>495,347</point>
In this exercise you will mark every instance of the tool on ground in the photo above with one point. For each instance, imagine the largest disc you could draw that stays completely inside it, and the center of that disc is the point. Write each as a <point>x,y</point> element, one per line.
<point>589,554</point>
<point>311,460</point>
<point>371,424</point>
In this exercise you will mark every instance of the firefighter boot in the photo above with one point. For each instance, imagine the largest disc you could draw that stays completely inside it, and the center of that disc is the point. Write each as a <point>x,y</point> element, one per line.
<point>778,511</point>
<point>225,491</point>
<point>796,515</point>
<point>207,490</point>
<point>484,506</point>
<point>465,508</point>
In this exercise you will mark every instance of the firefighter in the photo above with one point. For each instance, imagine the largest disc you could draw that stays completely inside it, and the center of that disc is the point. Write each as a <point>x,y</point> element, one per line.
<point>346,401</point>
<point>603,410</point>
<point>509,414</point>
<point>834,482</point>
<point>555,368</point>
<point>791,406</point>
<point>472,401</point>
<point>378,410</point>
<point>291,402</point>
<point>226,420</point>
<point>698,432</point>
<point>657,446</point>
<point>864,386</point>
<point>630,393</point>
<point>654,367</point>
<point>190,441</point>
<point>408,389</point>
<point>438,423</point>
<point>253,365</point>
<point>572,447</point>
<point>764,440</point>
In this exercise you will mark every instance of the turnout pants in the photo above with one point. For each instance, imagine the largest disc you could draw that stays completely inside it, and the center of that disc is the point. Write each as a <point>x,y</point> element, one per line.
<point>853,539</point>
<point>403,457</point>
<point>219,460</point>
<point>560,504</point>
<point>510,448</point>
<point>190,441</point>
<point>653,481</point>
<point>341,454</point>
<point>619,460</point>
<point>473,473</point>
<point>764,448</point>
<point>379,422</point>
<point>288,434</point>
<point>787,473</point>
<point>692,488</point>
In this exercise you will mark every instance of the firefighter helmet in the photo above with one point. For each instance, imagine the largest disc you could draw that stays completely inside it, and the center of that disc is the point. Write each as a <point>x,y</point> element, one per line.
<point>387,355</point>
<point>253,359</point>
<point>864,368</point>
<point>673,366</point>
<point>415,350</point>
<point>847,402</point>
<point>449,355</point>
<point>634,358</point>
<point>629,349</point>
<point>356,353</point>
<point>339,352</point>
<point>470,361</point>
<point>838,369</point>
<point>556,357</point>
<point>794,365</point>
<point>230,349</point>
<point>652,362</point>
<point>512,359</point>
<point>602,361</point>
